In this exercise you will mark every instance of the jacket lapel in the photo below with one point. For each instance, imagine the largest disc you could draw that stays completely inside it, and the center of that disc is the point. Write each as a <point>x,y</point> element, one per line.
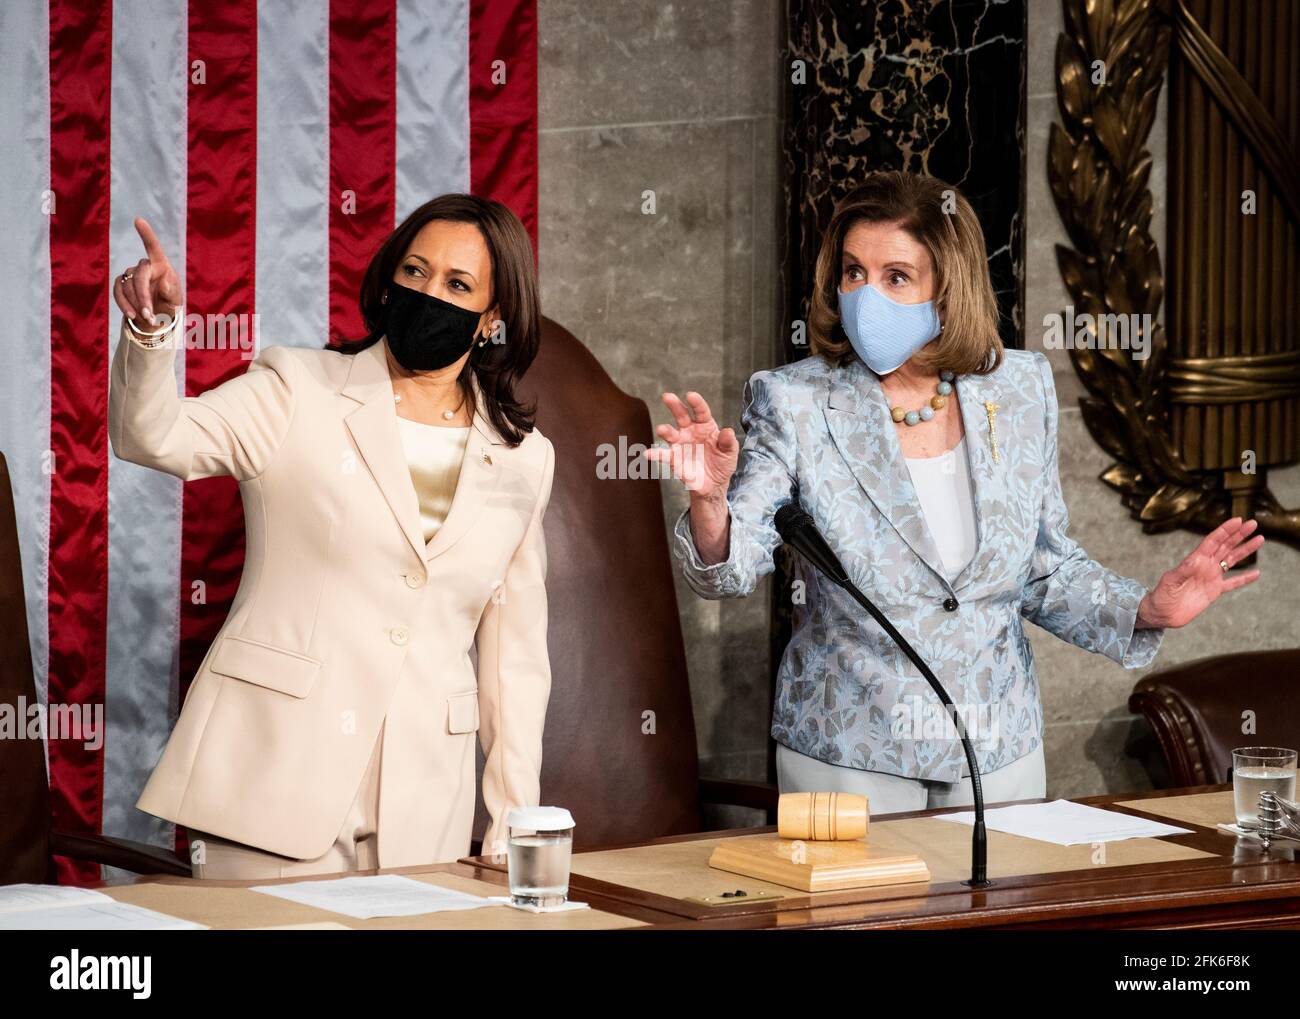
<point>374,428</point>
<point>987,476</point>
<point>857,413</point>
<point>480,475</point>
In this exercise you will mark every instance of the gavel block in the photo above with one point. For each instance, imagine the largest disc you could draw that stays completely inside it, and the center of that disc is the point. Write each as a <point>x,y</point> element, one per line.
<point>820,845</point>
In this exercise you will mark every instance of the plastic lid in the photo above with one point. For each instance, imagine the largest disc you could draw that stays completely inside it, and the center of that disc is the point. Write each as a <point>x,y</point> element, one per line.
<point>540,818</point>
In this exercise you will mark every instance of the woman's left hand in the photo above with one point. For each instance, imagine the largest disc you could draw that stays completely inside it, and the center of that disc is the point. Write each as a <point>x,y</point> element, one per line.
<point>1187,590</point>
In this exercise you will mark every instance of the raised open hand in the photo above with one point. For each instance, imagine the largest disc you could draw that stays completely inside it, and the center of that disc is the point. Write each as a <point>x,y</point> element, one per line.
<point>702,455</point>
<point>1187,590</point>
<point>150,289</point>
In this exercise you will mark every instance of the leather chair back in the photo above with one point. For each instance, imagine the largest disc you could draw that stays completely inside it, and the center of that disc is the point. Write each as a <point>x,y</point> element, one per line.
<point>1197,710</point>
<point>620,748</point>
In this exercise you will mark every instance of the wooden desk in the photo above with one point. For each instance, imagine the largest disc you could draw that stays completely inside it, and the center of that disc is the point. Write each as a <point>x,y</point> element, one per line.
<point>227,905</point>
<point>1204,880</point>
<point>1208,879</point>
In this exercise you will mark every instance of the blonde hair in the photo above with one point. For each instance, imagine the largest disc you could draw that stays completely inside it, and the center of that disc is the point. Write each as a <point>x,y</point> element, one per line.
<point>963,294</point>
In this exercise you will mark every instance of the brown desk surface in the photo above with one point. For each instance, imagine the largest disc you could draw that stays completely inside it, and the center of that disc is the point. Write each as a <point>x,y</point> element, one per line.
<point>228,905</point>
<point>1205,879</point>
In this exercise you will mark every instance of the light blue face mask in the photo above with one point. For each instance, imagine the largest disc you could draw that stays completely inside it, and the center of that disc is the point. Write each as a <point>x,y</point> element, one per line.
<point>883,332</point>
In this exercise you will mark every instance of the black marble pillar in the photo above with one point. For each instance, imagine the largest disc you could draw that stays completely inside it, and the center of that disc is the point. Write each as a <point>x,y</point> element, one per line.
<point>932,87</point>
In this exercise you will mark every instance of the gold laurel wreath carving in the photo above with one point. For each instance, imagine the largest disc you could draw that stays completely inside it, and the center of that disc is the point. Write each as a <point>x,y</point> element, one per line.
<point>1099,169</point>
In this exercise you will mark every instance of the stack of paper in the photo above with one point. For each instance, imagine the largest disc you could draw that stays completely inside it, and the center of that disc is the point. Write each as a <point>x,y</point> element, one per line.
<point>1066,823</point>
<point>375,895</point>
<point>30,907</point>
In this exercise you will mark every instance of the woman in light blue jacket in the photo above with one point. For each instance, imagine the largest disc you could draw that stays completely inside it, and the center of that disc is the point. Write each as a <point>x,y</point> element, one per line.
<point>926,455</point>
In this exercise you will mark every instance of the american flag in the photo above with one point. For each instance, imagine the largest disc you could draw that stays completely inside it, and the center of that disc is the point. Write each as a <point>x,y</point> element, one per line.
<point>271,145</point>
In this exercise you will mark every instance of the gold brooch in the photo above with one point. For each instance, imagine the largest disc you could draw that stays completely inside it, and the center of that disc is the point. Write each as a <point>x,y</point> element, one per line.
<point>487,459</point>
<point>991,409</point>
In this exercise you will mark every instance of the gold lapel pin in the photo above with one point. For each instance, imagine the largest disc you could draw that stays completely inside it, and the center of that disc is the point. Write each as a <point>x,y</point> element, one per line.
<point>487,458</point>
<point>991,409</point>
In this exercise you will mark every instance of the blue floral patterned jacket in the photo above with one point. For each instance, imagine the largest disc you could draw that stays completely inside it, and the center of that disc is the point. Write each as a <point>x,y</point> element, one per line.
<point>846,693</point>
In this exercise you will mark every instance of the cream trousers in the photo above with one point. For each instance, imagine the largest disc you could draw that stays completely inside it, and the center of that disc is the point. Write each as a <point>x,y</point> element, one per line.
<point>1024,779</point>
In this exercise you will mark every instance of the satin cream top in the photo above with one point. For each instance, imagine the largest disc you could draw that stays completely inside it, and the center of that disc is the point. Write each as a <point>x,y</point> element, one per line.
<point>434,455</point>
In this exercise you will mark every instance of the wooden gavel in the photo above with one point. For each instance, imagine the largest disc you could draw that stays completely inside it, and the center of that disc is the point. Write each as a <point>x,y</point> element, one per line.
<point>821,817</point>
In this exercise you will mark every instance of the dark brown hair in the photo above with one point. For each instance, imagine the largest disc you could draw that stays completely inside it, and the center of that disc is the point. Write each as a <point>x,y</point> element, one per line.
<point>496,366</point>
<point>937,216</point>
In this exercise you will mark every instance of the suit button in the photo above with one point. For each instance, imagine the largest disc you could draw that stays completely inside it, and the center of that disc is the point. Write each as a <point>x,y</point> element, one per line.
<point>950,604</point>
<point>414,580</point>
<point>398,635</point>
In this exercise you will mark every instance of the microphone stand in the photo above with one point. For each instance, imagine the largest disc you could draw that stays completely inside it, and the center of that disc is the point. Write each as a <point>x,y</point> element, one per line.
<point>798,531</point>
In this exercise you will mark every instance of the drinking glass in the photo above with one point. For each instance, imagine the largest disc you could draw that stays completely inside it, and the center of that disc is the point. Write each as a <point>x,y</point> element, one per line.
<point>538,855</point>
<point>1256,770</point>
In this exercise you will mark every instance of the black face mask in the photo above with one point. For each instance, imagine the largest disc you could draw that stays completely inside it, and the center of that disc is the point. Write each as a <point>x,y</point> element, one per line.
<point>425,332</point>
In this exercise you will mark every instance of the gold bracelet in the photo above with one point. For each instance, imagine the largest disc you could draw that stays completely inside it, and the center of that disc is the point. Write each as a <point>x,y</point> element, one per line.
<point>143,336</point>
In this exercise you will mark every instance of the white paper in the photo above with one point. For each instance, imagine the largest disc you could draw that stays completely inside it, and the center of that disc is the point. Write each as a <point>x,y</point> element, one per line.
<point>17,897</point>
<point>375,895</point>
<point>94,916</point>
<point>1066,823</point>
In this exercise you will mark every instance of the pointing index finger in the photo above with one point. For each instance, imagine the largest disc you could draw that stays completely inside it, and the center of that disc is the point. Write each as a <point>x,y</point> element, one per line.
<point>152,247</point>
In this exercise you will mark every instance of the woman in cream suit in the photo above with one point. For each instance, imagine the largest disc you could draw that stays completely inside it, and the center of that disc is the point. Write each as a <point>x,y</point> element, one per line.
<point>393,492</point>
<point>926,455</point>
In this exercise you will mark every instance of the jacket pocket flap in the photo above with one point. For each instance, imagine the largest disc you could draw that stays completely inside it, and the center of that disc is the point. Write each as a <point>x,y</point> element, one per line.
<point>266,665</point>
<point>462,712</point>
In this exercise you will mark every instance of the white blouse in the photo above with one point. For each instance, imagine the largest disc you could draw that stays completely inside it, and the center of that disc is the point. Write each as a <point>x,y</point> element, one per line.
<point>948,501</point>
<point>434,455</point>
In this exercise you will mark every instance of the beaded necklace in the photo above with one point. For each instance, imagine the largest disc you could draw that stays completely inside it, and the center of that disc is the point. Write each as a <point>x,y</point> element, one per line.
<point>925,413</point>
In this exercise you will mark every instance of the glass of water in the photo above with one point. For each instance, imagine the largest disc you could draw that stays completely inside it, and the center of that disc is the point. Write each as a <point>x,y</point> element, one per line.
<point>1256,770</point>
<point>540,847</point>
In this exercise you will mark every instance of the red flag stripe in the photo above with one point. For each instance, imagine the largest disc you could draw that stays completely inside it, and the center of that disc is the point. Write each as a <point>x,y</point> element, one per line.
<point>221,261</point>
<point>503,115</point>
<point>80,104</point>
<point>363,149</point>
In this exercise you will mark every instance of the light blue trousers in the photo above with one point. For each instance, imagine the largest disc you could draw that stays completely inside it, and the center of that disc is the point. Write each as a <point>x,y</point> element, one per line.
<point>1025,779</point>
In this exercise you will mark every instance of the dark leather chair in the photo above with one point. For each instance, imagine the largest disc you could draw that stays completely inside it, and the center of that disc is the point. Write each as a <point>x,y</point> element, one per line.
<point>615,637</point>
<point>28,844</point>
<point>1196,712</point>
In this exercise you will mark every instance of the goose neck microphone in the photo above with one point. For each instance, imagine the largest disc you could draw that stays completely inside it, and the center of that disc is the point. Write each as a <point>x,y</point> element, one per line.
<point>798,530</point>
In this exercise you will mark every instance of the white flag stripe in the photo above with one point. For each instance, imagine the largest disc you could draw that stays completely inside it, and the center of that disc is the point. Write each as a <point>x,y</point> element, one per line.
<point>292,173</point>
<point>432,101</point>
<point>25,296</point>
<point>148,178</point>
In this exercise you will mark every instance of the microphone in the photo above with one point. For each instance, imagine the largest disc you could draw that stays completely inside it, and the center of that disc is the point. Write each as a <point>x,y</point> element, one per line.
<point>798,531</point>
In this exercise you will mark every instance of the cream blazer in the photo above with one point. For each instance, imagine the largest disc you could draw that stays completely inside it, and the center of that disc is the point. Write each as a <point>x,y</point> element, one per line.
<point>344,618</point>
